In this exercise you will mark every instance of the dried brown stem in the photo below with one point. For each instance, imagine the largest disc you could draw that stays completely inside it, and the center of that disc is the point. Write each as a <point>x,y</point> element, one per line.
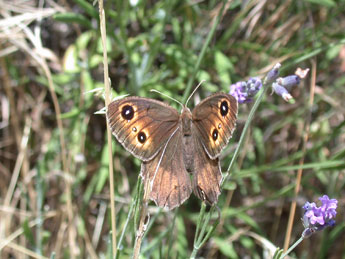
<point>107,101</point>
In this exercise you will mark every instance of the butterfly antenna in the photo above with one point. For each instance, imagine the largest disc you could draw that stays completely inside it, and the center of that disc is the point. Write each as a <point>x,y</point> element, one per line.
<point>156,91</point>
<point>196,88</point>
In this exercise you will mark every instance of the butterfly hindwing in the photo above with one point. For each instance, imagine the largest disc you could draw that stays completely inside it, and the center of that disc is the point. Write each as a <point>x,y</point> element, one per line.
<point>207,174</point>
<point>169,180</point>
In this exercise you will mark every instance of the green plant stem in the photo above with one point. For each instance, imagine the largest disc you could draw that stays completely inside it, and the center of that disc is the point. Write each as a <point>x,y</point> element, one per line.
<point>202,53</point>
<point>39,204</point>
<point>171,229</point>
<point>292,247</point>
<point>199,238</point>
<point>130,212</point>
<point>244,132</point>
<point>203,228</point>
<point>201,216</point>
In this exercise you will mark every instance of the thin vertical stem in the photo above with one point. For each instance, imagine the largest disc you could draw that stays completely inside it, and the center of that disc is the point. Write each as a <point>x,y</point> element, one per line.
<point>301,162</point>
<point>143,219</point>
<point>244,132</point>
<point>107,101</point>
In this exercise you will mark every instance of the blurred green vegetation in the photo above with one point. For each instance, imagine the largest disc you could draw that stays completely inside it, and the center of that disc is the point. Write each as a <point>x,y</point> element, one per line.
<point>156,45</point>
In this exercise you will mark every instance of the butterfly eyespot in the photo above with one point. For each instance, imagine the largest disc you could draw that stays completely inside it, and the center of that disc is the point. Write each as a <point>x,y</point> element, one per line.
<point>134,129</point>
<point>224,108</point>
<point>219,126</point>
<point>142,137</point>
<point>127,112</point>
<point>215,134</point>
<point>202,196</point>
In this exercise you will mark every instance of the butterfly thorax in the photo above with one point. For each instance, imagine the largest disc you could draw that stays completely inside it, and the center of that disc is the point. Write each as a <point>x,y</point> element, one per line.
<point>186,121</point>
<point>187,140</point>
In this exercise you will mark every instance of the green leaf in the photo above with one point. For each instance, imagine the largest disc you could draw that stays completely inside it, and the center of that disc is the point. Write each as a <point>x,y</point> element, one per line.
<point>103,173</point>
<point>223,67</point>
<point>71,114</point>
<point>89,9</point>
<point>181,242</point>
<point>70,61</point>
<point>326,3</point>
<point>28,232</point>
<point>230,185</point>
<point>225,247</point>
<point>73,18</point>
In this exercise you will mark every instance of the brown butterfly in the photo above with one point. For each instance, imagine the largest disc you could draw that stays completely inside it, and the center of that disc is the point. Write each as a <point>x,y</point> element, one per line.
<point>172,145</point>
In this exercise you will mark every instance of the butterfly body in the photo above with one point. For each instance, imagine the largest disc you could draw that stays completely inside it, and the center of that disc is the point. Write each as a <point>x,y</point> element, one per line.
<point>173,146</point>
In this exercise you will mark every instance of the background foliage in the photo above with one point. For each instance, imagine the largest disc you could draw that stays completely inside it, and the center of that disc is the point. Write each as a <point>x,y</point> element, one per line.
<point>54,191</point>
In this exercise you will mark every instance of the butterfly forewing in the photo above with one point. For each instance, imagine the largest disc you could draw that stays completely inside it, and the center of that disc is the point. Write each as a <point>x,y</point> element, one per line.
<point>215,120</point>
<point>142,125</point>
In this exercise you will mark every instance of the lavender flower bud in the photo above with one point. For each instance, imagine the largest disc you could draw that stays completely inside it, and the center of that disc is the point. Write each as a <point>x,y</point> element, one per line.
<point>253,85</point>
<point>273,74</point>
<point>289,81</point>
<point>281,91</point>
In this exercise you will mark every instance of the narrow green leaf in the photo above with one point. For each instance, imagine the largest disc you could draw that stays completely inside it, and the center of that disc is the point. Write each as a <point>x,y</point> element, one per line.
<point>73,18</point>
<point>89,9</point>
<point>326,3</point>
<point>28,232</point>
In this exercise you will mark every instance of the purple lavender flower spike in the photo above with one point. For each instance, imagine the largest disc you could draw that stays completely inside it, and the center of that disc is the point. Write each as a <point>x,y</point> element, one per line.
<point>317,218</point>
<point>245,91</point>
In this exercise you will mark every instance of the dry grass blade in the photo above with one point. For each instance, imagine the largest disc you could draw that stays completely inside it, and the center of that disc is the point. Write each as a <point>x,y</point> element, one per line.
<point>24,251</point>
<point>109,135</point>
<point>19,162</point>
<point>19,231</point>
<point>26,18</point>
